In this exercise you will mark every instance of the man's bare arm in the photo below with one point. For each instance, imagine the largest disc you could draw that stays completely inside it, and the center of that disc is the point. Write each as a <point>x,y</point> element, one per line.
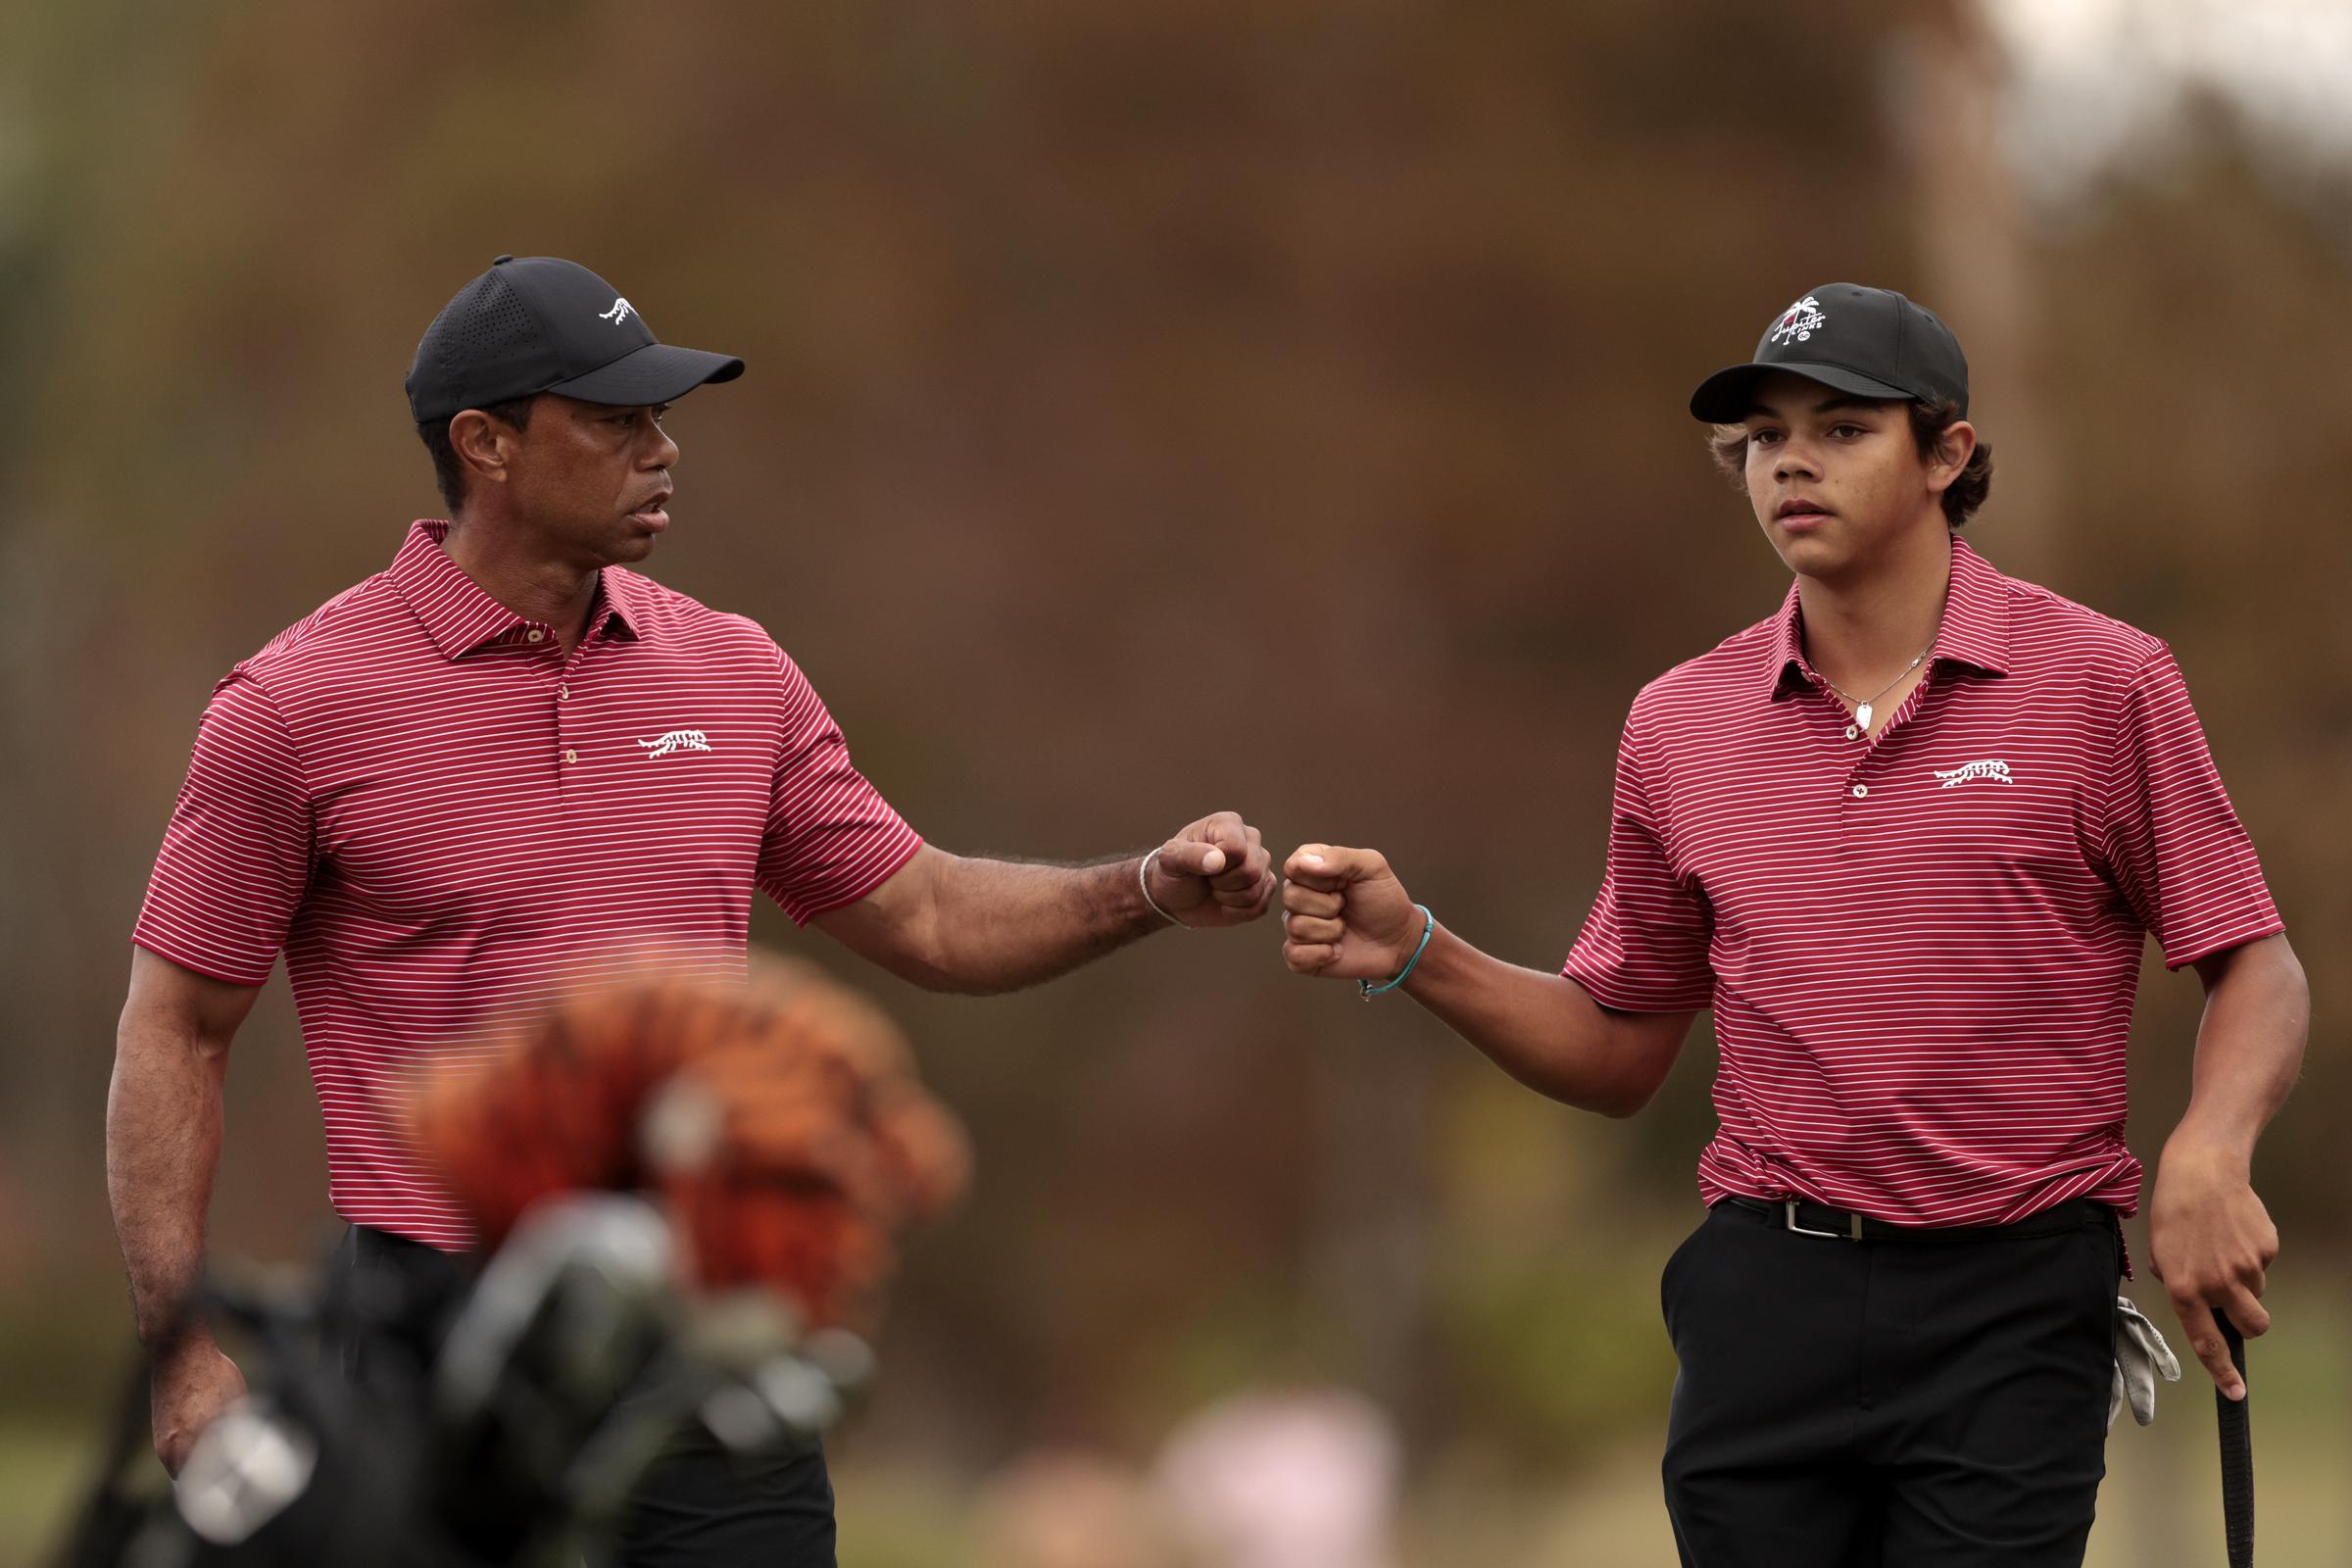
<point>1346,916</point>
<point>163,1145</point>
<point>950,923</point>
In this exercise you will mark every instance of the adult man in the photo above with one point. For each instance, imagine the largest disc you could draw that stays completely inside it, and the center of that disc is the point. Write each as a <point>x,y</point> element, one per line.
<point>1906,838</point>
<point>508,766</point>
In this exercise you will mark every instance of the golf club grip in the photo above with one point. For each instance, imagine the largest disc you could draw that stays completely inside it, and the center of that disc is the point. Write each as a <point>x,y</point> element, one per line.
<point>2238,1454</point>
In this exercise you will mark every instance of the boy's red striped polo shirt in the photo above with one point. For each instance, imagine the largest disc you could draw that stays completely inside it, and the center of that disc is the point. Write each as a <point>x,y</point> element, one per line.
<point>1920,947</point>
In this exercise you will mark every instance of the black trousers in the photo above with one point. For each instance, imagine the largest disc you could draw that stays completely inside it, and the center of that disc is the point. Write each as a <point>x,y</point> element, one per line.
<point>699,1507</point>
<point>1910,1402</point>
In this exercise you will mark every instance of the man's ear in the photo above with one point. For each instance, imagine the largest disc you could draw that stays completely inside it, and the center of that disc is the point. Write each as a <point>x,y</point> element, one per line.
<point>483,444</point>
<point>1953,448</point>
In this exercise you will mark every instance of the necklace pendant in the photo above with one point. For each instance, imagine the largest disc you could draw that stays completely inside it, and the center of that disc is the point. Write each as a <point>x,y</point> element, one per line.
<point>1862,718</point>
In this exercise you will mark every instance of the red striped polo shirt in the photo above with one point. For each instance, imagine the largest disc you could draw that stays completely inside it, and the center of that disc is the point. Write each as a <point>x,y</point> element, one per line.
<point>1920,947</point>
<point>444,821</point>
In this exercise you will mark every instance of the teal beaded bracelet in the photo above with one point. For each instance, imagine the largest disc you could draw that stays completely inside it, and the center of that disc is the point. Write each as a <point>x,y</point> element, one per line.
<point>1429,926</point>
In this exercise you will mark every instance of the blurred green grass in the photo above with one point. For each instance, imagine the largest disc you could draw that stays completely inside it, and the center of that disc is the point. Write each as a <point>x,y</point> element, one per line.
<point>2159,1508</point>
<point>44,1467</point>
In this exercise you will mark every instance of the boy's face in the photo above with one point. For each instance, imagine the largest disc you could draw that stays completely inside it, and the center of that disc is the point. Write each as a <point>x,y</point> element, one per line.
<point>1836,480</point>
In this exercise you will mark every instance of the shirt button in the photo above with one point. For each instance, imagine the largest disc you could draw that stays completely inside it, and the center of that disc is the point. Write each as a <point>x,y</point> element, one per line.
<point>1860,791</point>
<point>562,691</point>
<point>572,756</point>
<point>535,634</point>
<point>1851,732</point>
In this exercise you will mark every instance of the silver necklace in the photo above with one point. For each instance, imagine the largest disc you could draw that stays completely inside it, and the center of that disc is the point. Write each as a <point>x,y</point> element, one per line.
<point>1862,705</point>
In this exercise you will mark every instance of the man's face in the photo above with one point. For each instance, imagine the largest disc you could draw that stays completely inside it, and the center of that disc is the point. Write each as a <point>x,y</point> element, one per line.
<point>1835,479</point>
<point>593,479</point>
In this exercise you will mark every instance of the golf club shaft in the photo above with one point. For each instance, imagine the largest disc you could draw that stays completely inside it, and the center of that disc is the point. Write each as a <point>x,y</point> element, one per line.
<point>2238,1454</point>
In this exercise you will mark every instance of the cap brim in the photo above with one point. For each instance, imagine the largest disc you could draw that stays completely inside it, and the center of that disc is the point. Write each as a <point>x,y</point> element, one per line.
<point>658,373</point>
<point>1725,397</point>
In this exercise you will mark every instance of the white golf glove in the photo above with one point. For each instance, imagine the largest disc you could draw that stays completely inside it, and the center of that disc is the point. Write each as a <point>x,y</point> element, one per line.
<point>2141,1358</point>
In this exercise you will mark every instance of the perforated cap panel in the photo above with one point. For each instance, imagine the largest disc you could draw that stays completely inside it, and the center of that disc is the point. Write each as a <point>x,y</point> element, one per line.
<point>485,322</point>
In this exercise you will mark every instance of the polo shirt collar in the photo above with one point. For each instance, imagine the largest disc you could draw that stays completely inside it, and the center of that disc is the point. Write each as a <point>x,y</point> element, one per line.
<point>1975,630</point>
<point>459,617</point>
<point>1976,614</point>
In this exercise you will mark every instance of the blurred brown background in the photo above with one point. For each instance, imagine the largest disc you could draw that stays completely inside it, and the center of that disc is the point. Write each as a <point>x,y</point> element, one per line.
<point>1156,408</point>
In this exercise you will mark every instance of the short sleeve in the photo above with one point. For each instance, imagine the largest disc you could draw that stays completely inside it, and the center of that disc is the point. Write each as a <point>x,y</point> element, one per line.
<point>1643,948</point>
<point>831,837</point>
<point>236,855</point>
<point>2171,841</point>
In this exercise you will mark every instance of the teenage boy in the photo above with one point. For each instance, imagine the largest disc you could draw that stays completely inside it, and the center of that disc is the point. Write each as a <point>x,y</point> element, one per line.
<point>1906,838</point>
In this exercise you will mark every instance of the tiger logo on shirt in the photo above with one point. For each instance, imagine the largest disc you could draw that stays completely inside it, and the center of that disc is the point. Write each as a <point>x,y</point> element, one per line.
<point>677,740</point>
<point>1992,767</point>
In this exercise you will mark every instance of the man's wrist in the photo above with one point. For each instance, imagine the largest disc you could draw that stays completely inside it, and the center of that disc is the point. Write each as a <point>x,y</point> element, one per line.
<point>176,1345</point>
<point>1153,913</point>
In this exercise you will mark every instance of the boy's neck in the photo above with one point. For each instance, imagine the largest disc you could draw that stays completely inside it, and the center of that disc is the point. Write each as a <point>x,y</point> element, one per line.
<point>1863,628</point>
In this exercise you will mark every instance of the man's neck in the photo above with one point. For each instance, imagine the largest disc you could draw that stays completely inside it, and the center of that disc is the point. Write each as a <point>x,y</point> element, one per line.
<point>1863,629</point>
<point>503,563</point>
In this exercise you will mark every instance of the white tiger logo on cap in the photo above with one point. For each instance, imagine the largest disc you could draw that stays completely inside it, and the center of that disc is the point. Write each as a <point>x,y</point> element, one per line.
<point>1799,322</point>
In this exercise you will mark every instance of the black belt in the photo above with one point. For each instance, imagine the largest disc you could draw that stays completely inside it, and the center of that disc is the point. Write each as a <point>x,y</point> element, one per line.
<point>1808,1219</point>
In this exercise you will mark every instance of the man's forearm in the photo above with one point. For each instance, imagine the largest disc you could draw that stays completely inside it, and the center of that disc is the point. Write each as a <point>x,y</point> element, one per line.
<point>948,923</point>
<point>1545,1029</point>
<point>2249,1048</point>
<point>998,925</point>
<point>163,1145</point>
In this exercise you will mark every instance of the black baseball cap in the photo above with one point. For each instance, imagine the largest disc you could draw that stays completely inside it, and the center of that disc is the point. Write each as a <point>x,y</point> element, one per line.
<point>540,323</point>
<point>1871,342</point>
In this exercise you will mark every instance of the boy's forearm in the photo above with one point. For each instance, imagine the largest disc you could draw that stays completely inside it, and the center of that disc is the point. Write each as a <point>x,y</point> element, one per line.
<point>1542,1029</point>
<point>2250,1046</point>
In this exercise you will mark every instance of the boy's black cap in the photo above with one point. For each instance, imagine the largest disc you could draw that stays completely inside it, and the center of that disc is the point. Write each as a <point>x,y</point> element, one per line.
<point>1871,342</point>
<point>543,325</point>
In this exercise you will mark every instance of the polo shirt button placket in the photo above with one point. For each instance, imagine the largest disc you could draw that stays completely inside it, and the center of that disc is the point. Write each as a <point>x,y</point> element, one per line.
<point>572,755</point>
<point>1853,793</point>
<point>567,756</point>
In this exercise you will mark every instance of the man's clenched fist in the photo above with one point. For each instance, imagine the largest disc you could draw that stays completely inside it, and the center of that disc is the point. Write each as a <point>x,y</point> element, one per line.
<point>1214,872</point>
<point>190,1386</point>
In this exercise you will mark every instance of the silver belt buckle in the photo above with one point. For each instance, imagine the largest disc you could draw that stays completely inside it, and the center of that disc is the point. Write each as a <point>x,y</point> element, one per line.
<point>1788,1207</point>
